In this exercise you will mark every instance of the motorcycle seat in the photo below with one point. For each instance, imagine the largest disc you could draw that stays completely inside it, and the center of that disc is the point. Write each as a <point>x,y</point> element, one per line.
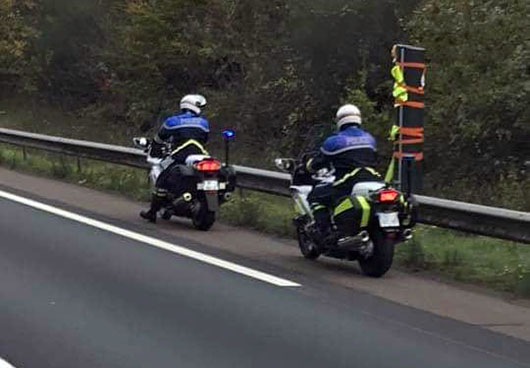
<point>364,189</point>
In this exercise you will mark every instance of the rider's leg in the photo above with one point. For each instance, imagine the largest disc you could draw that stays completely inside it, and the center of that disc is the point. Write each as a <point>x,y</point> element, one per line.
<point>157,202</point>
<point>322,217</point>
<point>158,197</point>
<point>320,200</point>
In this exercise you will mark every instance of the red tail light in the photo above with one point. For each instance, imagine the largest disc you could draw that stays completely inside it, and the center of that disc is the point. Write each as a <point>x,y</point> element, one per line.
<point>388,195</point>
<point>208,165</point>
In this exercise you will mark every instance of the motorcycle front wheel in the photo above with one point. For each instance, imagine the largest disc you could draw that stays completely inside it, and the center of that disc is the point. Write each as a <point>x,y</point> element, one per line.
<point>308,248</point>
<point>382,257</point>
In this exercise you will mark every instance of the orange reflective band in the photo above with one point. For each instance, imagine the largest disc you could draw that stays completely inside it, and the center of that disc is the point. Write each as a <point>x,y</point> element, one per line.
<point>414,104</point>
<point>412,65</point>
<point>410,141</point>
<point>413,132</point>
<point>417,156</point>
<point>418,91</point>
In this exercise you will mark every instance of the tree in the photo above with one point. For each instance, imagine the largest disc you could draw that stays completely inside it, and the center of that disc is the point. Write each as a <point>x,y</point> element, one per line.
<point>17,32</point>
<point>72,36</point>
<point>232,51</point>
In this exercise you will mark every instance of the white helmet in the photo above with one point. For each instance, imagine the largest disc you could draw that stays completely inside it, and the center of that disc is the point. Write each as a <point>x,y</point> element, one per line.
<point>193,103</point>
<point>348,114</point>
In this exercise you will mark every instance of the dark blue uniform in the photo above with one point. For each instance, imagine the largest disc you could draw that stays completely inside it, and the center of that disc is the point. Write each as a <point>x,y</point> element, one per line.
<point>346,151</point>
<point>187,133</point>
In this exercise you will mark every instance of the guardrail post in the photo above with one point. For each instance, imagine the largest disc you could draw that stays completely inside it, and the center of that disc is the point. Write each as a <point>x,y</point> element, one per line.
<point>24,154</point>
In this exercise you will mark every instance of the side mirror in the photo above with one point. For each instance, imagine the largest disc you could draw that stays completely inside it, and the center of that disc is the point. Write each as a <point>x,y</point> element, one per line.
<point>141,142</point>
<point>229,134</point>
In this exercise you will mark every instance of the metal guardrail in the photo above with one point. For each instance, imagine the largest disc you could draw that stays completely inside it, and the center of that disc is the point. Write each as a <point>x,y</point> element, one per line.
<point>483,220</point>
<point>73,147</point>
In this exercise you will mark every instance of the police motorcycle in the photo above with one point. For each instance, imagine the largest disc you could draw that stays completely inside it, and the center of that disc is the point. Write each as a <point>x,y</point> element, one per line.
<point>201,185</point>
<point>386,219</point>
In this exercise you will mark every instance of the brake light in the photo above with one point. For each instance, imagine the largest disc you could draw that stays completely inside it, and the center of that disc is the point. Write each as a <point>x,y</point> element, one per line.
<point>208,165</point>
<point>388,195</point>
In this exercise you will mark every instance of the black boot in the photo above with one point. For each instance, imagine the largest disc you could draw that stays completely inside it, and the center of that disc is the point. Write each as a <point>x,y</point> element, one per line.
<point>156,205</point>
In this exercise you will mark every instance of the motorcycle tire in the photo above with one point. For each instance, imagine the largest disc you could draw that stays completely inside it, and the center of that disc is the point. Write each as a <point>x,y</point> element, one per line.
<point>166,215</point>
<point>307,247</point>
<point>382,257</point>
<point>203,220</point>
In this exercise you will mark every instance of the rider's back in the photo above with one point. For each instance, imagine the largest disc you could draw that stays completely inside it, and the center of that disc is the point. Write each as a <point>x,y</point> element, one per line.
<point>349,149</point>
<point>187,132</point>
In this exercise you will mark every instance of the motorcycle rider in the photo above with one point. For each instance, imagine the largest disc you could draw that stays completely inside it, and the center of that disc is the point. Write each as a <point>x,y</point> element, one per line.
<point>352,152</point>
<point>188,132</point>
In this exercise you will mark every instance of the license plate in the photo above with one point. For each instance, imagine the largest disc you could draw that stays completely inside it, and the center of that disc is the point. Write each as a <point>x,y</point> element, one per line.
<point>388,219</point>
<point>208,185</point>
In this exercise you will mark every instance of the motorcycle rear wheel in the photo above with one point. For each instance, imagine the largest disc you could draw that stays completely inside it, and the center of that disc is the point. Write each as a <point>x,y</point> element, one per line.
<point>204,219</point>
<point>166,215</point>
<point>307,247</point>
<point>382,257</point>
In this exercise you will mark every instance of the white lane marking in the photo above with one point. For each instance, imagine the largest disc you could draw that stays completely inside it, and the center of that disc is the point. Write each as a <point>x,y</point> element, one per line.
<point>152,241</point>
<point>4,364</point>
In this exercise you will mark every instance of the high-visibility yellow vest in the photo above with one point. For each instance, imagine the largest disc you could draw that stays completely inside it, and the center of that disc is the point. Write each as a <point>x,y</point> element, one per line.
<point>400,90</point>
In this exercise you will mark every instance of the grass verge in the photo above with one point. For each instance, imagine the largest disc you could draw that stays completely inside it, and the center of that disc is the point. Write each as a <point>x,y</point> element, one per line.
<point>127,181</point>
<point>493,263</point>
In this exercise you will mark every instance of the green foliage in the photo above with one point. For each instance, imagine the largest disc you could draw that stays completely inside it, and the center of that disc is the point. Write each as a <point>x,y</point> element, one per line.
<point>337,39</point>
<point>230,51</point>
<point>127,181</point>
<point>17,32</point>
<point>260,212</point>
<point>501,265</point>
<point>412,255</point>
<point>377,121</point>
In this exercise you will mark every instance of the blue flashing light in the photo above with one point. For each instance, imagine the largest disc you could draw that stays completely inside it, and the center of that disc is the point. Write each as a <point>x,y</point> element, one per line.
<point>229,134</point>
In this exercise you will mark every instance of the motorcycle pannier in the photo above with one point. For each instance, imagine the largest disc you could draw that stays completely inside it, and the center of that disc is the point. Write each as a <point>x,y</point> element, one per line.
<point>351,214</point>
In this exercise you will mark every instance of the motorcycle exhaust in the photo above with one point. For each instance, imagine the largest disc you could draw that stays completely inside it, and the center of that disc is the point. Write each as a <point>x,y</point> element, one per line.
<point>356,241</point>
<point>407,234</point>
<point>364,236</point>
<point>228,196</point>
<point>185,198</point>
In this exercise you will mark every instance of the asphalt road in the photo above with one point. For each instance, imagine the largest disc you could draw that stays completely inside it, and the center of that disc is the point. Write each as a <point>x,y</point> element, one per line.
<point>75,296</point>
